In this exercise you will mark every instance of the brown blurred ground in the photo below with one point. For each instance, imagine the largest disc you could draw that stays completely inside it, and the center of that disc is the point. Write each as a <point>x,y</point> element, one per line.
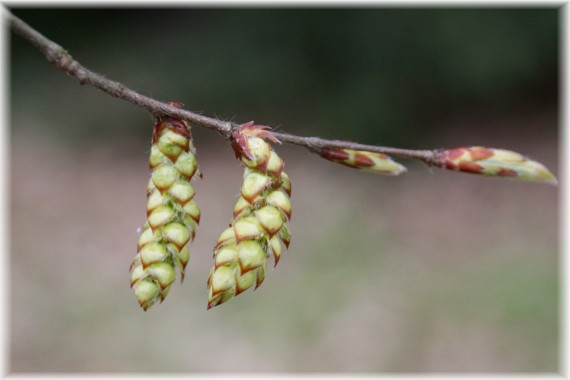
<point>432,271</point>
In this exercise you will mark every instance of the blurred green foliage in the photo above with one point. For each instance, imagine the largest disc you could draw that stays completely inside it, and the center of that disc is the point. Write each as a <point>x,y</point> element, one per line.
<point>377,75</point>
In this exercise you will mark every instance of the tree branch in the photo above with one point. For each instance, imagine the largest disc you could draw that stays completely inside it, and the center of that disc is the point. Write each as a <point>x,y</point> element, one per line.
<point>64,61</point>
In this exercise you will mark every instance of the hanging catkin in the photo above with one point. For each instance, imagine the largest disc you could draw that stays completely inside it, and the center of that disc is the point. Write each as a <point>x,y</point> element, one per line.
<point>172,213</point>
<point>259,227</point>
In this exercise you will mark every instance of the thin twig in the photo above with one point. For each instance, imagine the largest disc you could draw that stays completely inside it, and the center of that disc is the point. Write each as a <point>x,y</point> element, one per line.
<point>64,61</point>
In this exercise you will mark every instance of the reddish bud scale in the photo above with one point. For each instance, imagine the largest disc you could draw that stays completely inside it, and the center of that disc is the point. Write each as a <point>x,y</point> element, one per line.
<point>172,213</point>
<point>363,160</point>
<point>494,162</point>
<point>259,226</point>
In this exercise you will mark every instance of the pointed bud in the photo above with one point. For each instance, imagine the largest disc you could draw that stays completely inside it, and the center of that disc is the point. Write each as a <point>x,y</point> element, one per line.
<point>360,159</point>
<point>494,162</point>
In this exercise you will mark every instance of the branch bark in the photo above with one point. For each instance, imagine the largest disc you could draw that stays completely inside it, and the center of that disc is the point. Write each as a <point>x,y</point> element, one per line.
<point>64,61</point>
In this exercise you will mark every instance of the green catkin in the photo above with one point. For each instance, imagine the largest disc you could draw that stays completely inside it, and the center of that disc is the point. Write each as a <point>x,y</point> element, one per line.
<point>172,213</point>
<point>259,226</point>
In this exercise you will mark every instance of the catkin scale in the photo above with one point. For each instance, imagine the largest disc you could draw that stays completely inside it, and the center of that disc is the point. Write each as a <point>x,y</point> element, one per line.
<point>259,226</point>
<point>172,213</point>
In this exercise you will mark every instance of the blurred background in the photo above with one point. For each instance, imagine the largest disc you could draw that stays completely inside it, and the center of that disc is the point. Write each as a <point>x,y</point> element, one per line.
<point>432,271</point>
